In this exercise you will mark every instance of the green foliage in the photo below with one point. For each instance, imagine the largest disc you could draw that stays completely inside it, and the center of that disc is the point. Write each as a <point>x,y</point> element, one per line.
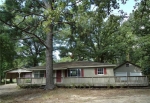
<point>141,19</point>
<point>64,59</point>
<point>92,40</point>
<point>89,85</point>
<point>140,27</point>
<point>73,85</point>
<point>7,53</point>
<point>30,53</point>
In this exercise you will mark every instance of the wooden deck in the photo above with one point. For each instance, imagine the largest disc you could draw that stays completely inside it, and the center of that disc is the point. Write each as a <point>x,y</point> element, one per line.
<point>90,81</point>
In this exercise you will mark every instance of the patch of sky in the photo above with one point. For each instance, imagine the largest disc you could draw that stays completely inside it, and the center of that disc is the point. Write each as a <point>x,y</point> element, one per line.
<point>2,1</point>
<point>127,7</point>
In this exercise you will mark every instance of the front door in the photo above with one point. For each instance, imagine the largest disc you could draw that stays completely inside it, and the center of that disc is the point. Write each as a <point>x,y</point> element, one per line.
<point>58,76</point>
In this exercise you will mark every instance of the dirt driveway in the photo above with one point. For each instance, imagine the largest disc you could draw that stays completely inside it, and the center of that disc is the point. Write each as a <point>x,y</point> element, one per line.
<point>8,88</point>
<point>12,94</point>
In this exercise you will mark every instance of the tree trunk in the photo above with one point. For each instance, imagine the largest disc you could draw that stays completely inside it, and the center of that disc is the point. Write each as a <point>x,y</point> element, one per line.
<point>49,59</point>
<point>0,62</point>
<point>102,59</point>
<point>35,62</point>
<point>0,78</point>
<point>49,50</point>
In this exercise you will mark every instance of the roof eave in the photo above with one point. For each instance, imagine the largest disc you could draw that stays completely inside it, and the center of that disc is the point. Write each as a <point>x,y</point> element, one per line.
<point>109,66</point>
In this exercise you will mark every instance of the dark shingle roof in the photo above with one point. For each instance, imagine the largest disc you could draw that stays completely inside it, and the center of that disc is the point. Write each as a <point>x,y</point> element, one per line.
<point>75,64</point>
<point>125,63</point>
<point>79,64</point>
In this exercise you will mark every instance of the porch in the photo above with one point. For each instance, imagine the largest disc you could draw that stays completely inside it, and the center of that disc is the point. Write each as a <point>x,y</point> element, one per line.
<point>88,81</point>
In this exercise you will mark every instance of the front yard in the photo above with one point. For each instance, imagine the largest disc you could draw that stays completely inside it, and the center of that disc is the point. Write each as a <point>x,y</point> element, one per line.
<point>14,94</point>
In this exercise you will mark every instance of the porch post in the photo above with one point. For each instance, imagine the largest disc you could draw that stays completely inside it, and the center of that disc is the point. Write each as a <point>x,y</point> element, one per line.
<point>31,80</point>
<point>127,80</point>
<point>19,74</point>
<point>147,81</point>
<point>5,78</point>
<point>92,81</point>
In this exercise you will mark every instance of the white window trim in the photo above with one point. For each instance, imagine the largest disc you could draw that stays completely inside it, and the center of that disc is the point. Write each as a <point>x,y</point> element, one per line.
<point>98,73</point>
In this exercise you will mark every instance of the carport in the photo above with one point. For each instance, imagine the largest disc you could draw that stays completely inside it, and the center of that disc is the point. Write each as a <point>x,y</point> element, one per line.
<point>17,73</point>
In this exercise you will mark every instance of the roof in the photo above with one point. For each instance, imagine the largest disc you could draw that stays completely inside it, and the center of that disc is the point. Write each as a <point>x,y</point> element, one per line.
<point>125,63</point>
<point>76,64</point>
<point>17,71</point>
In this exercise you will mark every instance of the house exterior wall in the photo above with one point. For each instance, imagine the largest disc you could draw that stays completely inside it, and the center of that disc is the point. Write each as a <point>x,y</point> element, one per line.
<point>87,78</point>
<point>90,72</point>
<point>87,74</point>
<point>33,72</point>
<point>132,68</point>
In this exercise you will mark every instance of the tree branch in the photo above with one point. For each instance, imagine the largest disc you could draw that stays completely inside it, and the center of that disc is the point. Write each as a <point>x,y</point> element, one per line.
<point>65,22</point>
<point>22,38</point>
<point>40,4</point>
<point>23,30</point>
<point>23,19</point>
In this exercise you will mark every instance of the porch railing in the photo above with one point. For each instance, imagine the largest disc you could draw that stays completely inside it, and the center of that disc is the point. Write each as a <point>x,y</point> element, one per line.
<point>31,81</point>
<point>90,81</point>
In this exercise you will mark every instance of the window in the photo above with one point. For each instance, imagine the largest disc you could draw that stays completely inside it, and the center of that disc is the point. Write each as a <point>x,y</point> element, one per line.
<point>74,72</point>
<point>42,73</point>
<point>127,64</point>
<point>36,74</point>
<point>27,75</point>
<point>100,71</point>
<point>39,74</point>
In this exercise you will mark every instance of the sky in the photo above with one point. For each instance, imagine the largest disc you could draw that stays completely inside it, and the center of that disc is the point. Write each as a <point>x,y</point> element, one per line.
<point>1,1</point>
<point>128,7</point>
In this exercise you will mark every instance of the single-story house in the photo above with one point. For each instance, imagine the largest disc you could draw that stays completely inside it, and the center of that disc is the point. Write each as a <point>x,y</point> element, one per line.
<point>81,73</point>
